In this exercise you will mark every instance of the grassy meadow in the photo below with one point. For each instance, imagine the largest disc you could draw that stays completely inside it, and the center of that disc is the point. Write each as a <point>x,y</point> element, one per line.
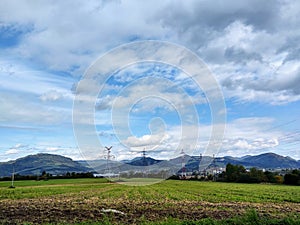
<point>94,201</point>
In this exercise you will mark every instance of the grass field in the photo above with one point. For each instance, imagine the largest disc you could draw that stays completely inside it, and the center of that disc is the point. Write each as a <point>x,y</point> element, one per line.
<point>93,201</point>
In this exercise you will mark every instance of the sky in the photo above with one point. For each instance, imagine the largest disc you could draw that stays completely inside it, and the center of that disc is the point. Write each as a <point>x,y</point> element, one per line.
<point>251,49</point>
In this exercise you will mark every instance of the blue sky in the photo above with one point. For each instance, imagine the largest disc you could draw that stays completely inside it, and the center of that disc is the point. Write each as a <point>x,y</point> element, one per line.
<point>251,48</point>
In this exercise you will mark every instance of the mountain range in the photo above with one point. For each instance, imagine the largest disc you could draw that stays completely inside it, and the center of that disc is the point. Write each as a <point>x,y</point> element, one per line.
<point>57,164</point>
<point>36,164</point>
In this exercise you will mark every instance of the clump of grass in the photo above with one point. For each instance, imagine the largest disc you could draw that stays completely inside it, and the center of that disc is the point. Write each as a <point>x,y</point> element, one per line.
<point>187,200</point>
<point>249,218</point>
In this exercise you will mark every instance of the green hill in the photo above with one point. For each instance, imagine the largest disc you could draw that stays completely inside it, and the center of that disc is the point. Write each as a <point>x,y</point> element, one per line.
<point>36,164</point>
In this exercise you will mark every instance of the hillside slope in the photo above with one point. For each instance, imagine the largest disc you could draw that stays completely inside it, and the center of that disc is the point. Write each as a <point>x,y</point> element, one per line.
<point>36,164</point>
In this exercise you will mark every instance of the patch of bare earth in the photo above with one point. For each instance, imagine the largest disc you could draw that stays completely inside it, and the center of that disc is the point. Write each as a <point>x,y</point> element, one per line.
<point>70,209</point>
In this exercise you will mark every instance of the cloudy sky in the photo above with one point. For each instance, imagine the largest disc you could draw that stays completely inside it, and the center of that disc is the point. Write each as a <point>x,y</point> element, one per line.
<point>251,48</point>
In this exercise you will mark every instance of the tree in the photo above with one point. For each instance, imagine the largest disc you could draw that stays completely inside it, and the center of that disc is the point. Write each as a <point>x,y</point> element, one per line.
<point>279,179</point>
<point>257,176</point>
<point>270,177</point>
<point>233,172</point>
<point>292,178</point>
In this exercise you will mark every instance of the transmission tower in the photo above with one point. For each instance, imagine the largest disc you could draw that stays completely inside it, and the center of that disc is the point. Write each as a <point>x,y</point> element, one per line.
<point>183,169</point>
<point>108,156</point>
<point>214,168</point>
<point>144,157</point>
<point>214,162</point>
<point>200,160</point>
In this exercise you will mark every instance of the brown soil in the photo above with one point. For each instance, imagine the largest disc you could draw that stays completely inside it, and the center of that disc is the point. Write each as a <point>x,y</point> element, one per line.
<point>67,209</point>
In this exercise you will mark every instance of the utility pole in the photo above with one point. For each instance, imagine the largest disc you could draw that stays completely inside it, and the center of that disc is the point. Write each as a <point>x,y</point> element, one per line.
<point>12,178</point>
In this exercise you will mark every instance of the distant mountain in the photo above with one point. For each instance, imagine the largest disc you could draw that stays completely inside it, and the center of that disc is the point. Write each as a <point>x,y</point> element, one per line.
<point>271,160</point>
<point>263,161</point>
<point>36,164</point>
<point>56,164</point>
<point>193,163</point>
<point>141,161</point>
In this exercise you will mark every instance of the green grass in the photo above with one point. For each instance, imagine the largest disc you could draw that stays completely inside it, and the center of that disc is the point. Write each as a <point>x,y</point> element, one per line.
<point>232,192</point>
<point>251,217</point>
<point>37,189</point>
<point>25,183</point>
<point>170,190</point>
<point>95,193</point>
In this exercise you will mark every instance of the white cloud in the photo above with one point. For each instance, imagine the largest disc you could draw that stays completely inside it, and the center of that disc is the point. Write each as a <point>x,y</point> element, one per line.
<point>251,46</point>
<point>242,136</point>
<point>154,92</point>
<point>149,141</point>
<point>70,39</point>
<point>19,111</point>
<point>16,149</point>
<point>244,40</point>
<point>18,77</point>
<point>24,150</point>
<point>249,30</point>
<point>12,151</point>
<point>19,145</point>
<point>52,149</point>
<point>250,136</point>
<point>54,95</point>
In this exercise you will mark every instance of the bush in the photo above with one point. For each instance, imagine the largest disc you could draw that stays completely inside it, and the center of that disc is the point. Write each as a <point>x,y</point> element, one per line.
<point>292,179</point>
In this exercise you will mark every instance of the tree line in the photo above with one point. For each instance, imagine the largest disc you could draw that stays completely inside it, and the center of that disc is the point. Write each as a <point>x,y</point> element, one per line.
<point>46,176</point>
<point>239,174</point>
<point>233,173</point>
